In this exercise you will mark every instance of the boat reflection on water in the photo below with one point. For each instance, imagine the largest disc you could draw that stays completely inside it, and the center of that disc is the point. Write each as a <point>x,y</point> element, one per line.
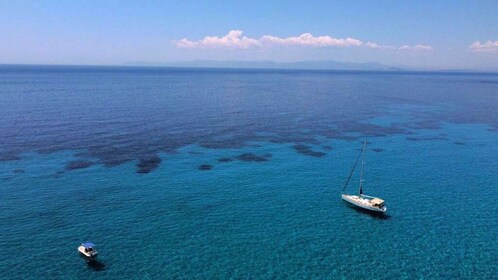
<point>96,265</point>
<point>375,215</point>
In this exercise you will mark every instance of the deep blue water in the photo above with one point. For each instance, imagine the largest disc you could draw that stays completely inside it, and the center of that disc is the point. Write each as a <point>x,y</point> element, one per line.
<point>216,174</point>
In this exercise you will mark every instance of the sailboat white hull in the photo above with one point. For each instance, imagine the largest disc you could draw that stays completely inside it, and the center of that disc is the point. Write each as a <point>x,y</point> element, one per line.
<point>363,203</point>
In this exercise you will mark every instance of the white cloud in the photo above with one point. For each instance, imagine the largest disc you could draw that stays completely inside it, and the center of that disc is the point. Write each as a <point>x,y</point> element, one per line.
<point>380,47</point>
<point>307,39</point>
<point>488,47</point>
<point>417,48</point>
<point>235,40</point>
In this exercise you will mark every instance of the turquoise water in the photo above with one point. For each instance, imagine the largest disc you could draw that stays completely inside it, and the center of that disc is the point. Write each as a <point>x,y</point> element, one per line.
<point>80,164</point>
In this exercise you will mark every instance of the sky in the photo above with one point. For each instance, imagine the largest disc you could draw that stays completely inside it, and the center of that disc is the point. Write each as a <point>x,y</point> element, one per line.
<point>415,34</point>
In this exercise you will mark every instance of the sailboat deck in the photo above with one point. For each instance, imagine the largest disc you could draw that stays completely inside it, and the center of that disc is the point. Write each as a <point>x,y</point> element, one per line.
<point>364,202</point>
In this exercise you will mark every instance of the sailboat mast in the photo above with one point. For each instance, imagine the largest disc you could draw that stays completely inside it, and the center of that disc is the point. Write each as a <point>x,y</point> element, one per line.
<point>352,170</point>
<point>362,167</point>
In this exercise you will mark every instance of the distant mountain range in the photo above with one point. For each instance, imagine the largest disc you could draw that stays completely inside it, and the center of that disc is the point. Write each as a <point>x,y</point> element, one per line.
<point>264,64</point>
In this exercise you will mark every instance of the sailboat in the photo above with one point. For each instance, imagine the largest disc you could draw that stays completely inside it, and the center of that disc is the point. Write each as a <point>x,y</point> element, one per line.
<point>361,200</point>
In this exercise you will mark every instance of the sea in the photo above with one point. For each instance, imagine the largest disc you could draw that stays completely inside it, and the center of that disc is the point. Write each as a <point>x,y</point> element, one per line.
<point>191,173</point>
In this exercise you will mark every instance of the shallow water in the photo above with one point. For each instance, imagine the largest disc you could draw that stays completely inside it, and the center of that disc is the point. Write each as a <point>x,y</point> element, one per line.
<point>119,156</point>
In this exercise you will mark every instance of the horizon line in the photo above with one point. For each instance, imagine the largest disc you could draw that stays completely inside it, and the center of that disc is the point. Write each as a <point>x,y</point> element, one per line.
<point>130,65</point>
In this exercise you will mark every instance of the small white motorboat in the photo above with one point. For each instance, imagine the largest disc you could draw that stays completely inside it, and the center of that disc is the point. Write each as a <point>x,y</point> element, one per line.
<point>87,250</point>
<point>363,201</point>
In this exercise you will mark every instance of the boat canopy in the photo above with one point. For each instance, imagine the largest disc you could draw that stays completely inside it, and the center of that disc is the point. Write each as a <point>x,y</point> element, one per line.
<point>377,201</point>
<point>88,245</point>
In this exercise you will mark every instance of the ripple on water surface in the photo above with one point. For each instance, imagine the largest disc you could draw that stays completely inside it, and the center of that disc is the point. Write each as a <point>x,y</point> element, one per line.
<point>232,174</point>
